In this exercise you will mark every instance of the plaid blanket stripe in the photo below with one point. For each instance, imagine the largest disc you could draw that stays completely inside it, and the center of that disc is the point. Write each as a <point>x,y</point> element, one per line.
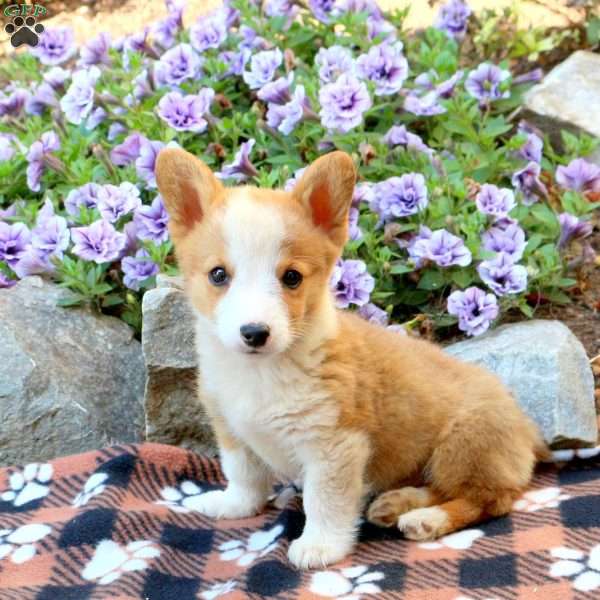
<point>120,524</point>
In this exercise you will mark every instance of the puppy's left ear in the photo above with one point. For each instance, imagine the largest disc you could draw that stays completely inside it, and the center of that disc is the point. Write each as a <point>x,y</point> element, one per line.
<point>325,190</point>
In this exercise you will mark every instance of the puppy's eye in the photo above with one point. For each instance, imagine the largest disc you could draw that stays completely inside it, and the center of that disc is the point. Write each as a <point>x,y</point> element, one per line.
<point>291,279</point>
<point>218,276</point>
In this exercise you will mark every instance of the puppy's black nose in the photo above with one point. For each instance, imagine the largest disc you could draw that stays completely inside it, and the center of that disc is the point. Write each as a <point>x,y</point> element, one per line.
<point>255,334</point>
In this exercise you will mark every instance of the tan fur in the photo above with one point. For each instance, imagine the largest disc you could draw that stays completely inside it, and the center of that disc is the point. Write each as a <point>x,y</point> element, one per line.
<point>389,411</point>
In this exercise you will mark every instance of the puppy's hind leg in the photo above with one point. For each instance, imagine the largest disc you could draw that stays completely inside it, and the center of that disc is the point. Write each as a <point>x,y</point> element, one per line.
<point>386,508</point>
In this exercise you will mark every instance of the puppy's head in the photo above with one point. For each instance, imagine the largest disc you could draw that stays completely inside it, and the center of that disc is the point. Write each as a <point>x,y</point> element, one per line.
<point>256,262</point>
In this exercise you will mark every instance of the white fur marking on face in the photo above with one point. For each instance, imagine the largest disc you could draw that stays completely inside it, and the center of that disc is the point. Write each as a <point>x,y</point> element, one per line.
<point>254,234</point>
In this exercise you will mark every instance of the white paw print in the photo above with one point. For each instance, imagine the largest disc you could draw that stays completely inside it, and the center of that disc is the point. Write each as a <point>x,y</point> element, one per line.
<point>93,486</point>
<point>219,589</point>
<point>19,544</point>
<point>566,455</point>
<point>535,500</point>
<point>583,570</point>
<point>28,485</point>
<point>183,499</point>
<point>258,544</point>
<point>111,560</point>
<point>347,584</point>
<point>461,540</point>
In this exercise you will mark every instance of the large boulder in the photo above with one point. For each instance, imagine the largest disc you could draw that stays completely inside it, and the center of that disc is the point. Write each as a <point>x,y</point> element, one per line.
<point>174,414</point>
<point>568,97</point>
<point>546,368</point>
<point>70,379</point>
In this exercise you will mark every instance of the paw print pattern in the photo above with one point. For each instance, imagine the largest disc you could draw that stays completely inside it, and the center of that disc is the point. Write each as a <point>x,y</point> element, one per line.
<point>461,540</point>
<point>111,561</point>
<point>29,485</point>
<point>535,500</point>
<point>218,589</point>
<point>93,486</point>
<point>259,544</point>
<point>19,544</point>
<point>24,31</point>
<point>183,499</point>
<point>347,584</point>
<point>583,570</point>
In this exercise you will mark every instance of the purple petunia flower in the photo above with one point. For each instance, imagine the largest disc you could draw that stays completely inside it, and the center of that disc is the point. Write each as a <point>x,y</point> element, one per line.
<point>572,228</point>
<point>151,221</point>
<point>290,184</point>
<point>508,238</point>
<point>343,103</point>
<point>251,40</point>
<point>78,102</point>
<point>398,135</point>
<point>99,242</point>
<point>95,52</point>
<point>363,192</point>
<point>7,147</point>
<point>495,201</point>
<point>137,269</point>
<point>262,68</point>
<point>424,106</point>
<point>281,8</point>
<point>146,160</point>
<point>56,77</point>
<point>445,249</point>
<point>385,66</point>
<point>241,168</point>
<point>115,202</point>
<point>176,66</point>
<point>323,10</point>
<point>531,150</point>
<point>208,32</point>
<point>127,151</point>
<point>55,46</point>
<point>527,181</point>
<point>97,116</point>
<point>277,91</point>
<point>453,18</point>
<point>14,240</point>
<point>399,197</point>
<point>532,76</point>
<point>235,61</point>
<point>502,275</point>
<point>333,62</point>
<point>115,130</point>
<point>380,30</point>
<point>474,308</point>
<point>354,231</point>
<point>285,117</point>
<point>42,98</point>
<point>351,283</point>
<point>12,104</point>
<point>373,314</point>
<point>5,282</point>
<point>579,175</point>
<point>368,7</point>
<point>186,113</point>
<point>165,31</point>
<point>38,151</point>
<point>485,83</point>
<point>87,195</point>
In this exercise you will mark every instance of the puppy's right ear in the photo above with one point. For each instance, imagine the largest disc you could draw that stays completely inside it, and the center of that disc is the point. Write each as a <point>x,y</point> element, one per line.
<point>188,188</point>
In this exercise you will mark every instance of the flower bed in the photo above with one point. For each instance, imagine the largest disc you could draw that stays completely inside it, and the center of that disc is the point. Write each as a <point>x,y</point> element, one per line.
<point>460,215</point>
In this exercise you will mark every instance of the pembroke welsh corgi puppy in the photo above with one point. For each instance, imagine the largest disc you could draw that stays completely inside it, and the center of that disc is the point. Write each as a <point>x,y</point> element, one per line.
<point>298,389</point>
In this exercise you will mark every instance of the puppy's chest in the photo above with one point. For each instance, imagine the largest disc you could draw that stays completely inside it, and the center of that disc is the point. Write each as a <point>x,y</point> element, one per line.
<point>278,413</point>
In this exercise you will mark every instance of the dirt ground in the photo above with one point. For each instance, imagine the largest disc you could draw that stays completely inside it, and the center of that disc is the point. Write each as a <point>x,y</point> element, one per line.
<point>122,17</point>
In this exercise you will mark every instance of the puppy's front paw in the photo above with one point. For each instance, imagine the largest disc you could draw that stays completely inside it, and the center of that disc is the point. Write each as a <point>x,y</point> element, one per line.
<point>310,551</point>
<point>221,504</point>
<point>424,524</point>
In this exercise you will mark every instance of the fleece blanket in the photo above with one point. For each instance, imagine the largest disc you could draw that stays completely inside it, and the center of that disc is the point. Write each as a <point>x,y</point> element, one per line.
<point>120,524</point>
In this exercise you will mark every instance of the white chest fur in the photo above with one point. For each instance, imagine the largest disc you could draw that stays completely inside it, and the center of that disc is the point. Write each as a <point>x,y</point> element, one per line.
<point>272,404</point>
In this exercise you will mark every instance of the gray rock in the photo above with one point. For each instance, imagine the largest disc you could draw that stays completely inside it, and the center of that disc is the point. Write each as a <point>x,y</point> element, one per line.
<point>548,371</point>
<point>567,98</point>
<point>174,415</point>
<point>70,380</point>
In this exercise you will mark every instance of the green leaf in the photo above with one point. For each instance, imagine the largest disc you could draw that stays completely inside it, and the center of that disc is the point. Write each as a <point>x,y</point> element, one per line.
<point>462,277</point>
<point>398,268</point>
<point>431,280</point>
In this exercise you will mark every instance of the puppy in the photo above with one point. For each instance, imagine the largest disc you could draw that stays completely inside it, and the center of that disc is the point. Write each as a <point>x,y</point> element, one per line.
<point>298,389</point>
